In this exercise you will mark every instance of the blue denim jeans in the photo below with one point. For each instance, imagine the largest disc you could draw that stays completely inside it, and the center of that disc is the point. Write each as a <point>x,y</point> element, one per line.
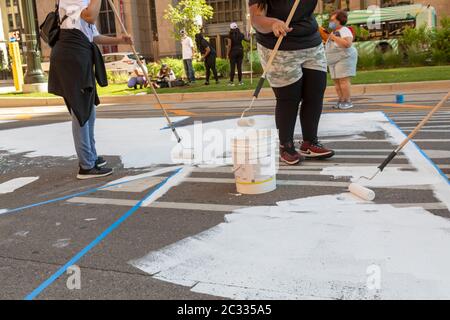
<point>85,141</point>
<point>189,69</point>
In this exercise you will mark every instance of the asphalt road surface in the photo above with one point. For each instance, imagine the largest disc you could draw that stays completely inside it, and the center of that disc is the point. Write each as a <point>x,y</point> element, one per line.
<point>36,242</point>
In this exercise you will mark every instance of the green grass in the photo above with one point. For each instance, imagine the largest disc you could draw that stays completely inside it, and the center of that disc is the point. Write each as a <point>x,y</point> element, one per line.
<point>363,77</point>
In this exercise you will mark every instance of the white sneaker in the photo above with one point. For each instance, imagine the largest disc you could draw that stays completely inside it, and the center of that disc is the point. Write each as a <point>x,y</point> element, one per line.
<point>346,105</point>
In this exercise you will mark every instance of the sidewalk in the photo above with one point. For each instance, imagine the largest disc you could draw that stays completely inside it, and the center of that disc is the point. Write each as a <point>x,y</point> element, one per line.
<point>357,90</point>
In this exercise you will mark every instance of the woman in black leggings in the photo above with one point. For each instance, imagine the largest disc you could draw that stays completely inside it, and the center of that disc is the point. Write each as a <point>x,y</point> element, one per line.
<point>235,52</point>
<point>298,75</point>
<point>208,55</point>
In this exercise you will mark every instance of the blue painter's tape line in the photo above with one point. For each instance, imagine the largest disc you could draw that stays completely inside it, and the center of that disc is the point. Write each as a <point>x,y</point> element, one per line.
<point>419,149</point>
<point>70,196</point>
<point>94,243</point>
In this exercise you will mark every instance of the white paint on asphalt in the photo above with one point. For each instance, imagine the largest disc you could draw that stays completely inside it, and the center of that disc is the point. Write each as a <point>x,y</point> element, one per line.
<point>171,183</point>
<point>22,234</point>
<point>141,143</point>
<point>425,174</point>
<point>2,211</point>
<point>61,243</point>
<point>391,177</point>
<point>299,249</point>
<point>15,184</point>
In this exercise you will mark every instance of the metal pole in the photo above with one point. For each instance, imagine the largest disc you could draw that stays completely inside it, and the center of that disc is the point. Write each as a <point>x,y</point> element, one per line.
<point>34,74</point>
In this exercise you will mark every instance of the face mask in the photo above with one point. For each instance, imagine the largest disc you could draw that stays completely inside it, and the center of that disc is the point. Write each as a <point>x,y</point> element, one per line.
<point>332,25</point>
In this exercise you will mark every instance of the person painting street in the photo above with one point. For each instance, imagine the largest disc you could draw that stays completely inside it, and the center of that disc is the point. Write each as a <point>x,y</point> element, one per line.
<point>208,56</point>
<point>235,52</point>
<point>298,75</point>
<point>72,77</point>
<point>188,50</point>
<point>342,58</point>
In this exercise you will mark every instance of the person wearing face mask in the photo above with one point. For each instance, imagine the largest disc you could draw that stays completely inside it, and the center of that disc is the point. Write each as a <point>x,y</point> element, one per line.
<point>342,58</point>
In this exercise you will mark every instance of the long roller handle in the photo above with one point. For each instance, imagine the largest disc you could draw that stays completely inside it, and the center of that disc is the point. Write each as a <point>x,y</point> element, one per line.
<point>275,51</point>
<point>414,132</point>
<point>141,65</point>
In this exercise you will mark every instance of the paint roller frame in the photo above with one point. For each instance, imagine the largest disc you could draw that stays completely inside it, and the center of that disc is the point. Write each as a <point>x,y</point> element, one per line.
<point>245,122</point>
<point>369,195</point>
<point>155,94</point>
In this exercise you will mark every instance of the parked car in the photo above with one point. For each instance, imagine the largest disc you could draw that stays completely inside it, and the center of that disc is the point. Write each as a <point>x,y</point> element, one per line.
<point>121,61</point>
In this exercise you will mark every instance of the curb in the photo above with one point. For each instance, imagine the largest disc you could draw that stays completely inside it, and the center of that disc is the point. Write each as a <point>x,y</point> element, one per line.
<point>266,93</point>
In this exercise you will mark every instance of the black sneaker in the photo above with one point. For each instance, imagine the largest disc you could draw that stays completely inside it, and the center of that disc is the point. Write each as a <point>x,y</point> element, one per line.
<point>206,83</point>
<point>101,162</point>
<point>93,173</point>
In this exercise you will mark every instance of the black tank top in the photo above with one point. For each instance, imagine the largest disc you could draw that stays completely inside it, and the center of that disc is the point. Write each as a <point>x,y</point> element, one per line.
<point>236,41</point>
<point>306,30</point>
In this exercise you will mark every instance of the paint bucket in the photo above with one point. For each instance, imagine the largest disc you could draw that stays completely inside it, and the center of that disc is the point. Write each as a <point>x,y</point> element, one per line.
<point>254,159</point>
<point>400,98</point>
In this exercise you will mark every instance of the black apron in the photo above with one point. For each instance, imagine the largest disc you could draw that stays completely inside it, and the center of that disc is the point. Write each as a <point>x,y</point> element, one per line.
<point>72,63</point>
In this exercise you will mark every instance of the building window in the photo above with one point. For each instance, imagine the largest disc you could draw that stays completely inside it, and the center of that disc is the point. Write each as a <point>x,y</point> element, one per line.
<point>227,11</point>
<point>153,19</point>
<point>11,21</point>
<point>107,25</point>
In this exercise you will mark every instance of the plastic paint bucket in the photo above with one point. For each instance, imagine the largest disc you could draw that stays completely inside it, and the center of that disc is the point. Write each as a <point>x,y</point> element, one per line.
<point>254,159</point>
<point>400,98</point>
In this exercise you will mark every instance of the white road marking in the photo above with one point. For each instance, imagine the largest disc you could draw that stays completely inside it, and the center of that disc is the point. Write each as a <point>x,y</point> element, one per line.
<point>160,205</point>
<point>15,184</point>
<point>137,186</point>
<point>332,184</point>
<point>379,140</point>
<point>208,207</point>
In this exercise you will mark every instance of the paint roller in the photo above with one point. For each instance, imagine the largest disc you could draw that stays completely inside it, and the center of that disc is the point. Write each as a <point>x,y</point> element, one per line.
<point>186,153</point>
<point>369,195</point>
<point>246,122</point>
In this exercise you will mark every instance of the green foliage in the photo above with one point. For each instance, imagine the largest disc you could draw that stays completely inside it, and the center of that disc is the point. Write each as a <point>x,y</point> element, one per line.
<point>417,38</point>
<point>379,60</point>
<point>440,43</point>
<point>115,77</point>
<point>361,34</point>
<point>185,16</point>
<point>223,67</point>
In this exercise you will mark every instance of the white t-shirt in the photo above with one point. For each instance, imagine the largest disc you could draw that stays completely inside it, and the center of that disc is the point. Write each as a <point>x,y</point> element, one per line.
<point>188,46</point>
<point>344,33</point>
<point>73,9</point>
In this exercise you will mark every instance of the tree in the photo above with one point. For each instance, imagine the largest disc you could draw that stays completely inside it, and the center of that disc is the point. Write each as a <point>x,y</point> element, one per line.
<point>186,15</point>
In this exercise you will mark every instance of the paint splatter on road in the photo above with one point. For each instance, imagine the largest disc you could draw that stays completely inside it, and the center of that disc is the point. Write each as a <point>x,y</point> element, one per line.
<point>298,249</point>
<point>15,184</point>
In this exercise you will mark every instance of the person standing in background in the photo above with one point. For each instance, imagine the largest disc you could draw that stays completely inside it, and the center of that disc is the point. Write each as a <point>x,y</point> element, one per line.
<point>188,54</point>
<point>208,56</point>
<point>235,52</point>
<point>342,58</point>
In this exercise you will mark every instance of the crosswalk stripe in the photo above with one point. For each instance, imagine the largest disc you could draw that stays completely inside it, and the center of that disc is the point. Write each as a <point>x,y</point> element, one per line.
<point>378,140</point>
<point>159,205</point>
<point>324,164</point>
<point>208,207</point>
<point>282,171</point>
<point>333,184</point>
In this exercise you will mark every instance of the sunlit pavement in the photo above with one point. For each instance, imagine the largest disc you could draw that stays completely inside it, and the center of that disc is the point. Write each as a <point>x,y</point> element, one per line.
<point>36,242</point>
